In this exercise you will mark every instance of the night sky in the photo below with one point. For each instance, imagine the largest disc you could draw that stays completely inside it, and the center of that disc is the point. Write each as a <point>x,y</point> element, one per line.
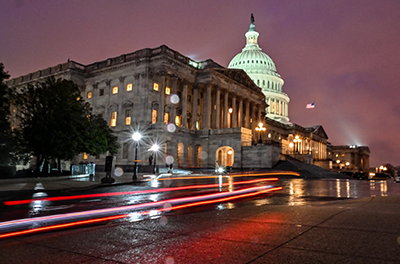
<point>343,55</point>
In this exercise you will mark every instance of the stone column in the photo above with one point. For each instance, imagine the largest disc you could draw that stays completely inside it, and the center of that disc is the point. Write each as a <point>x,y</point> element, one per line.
<point>240,117</point>
<point>161,100</point>
<point>225,114</point>
<point>247,115</point>
<point>207,107</point>
<point>234,112</point>
<point>195,104</point>
<point>184,105</point>
<point>174,90</point>
<point>287,110</point>
<point>218,108</point>
<point>95,95</point>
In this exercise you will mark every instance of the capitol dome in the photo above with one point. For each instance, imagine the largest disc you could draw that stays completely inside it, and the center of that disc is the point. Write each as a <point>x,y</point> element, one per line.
<point>262,70</point>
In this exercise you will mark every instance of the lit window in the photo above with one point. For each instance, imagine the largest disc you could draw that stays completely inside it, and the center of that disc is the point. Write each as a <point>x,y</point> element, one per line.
<point>154,116</point>
<point>129,87</point>
<point>167,91</point>
<point>127,117</point>
<point>89,95</point>
<point>197,125</point>
<point>337,155</point>
<point>178,121</point>
<point>115,90</point>
<point>113,122</point>
<point>155,86</point>
<point>166,118</point>
<point>85,156</point>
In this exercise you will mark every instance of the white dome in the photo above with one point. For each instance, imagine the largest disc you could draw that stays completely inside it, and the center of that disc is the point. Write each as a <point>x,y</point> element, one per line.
<point>254,61</point>
<point>262,70</point>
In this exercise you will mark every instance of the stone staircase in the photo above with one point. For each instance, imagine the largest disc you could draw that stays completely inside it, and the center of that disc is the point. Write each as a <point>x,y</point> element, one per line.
<point>307,170</point>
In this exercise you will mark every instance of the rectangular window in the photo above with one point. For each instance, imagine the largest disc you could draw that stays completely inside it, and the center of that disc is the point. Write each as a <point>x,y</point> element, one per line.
<point>189,98</point>
<point>89,95</point>
<point>178,121</point>
<point>154,116</point>
<point>127,117</point>
<point>129,87</point>
<point>167,91</point>
<point>115,90</point>
<point>85,156</point>
<point>113,122</point>
<point>166,118</point>
<point>197,125</point>
<point>101,92</point>
<point>155,86</point>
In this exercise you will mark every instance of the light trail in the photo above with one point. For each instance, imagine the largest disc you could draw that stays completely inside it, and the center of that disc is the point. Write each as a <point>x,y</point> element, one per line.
<point>171,189</point>
<point>232,175</point>
<point>109,218</point>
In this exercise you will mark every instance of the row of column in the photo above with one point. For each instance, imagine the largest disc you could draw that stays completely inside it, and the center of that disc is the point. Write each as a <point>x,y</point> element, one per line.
<point>216,110</point>
<point>216,104</point>
<point>277,107</point>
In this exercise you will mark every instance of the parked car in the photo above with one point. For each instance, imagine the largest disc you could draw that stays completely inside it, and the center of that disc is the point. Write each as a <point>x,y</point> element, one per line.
<point>360,175</point>
<point>397,178</point>
<point>348,173</point>
<point>381,176</point>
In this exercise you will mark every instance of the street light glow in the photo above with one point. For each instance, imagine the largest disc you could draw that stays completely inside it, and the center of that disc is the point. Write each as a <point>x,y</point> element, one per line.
<point>136,136</point>
<point>154,148</point>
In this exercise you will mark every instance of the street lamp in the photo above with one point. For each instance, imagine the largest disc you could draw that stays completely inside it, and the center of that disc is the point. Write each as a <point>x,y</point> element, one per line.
<point>136,137</point>
<point>155,148</point>
<point>260,128</point>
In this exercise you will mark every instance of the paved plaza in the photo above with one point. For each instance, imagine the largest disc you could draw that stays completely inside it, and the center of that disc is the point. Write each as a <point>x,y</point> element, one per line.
<point>365,230</point>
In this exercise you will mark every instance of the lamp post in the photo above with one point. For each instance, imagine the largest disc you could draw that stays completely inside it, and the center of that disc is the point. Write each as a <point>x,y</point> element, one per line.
<point>154,148</point>
<point>136,137</point>
<point>260,128</point>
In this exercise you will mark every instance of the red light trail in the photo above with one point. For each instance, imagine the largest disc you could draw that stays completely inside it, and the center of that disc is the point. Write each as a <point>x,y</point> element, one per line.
<point>171,189</point>
<point>109,218</point>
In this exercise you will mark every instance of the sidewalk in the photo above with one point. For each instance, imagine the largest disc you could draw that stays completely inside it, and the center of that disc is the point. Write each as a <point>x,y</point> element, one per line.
<point>363,230</point>
<point>73,182</point>
<point>64,182</point>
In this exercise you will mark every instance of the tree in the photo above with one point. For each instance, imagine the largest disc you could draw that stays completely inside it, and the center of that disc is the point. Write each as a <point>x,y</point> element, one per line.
<point>56,123</point>
<point>5,127</point>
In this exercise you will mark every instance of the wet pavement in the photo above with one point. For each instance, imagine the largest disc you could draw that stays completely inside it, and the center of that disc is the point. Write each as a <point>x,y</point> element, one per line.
<point>309,221</point>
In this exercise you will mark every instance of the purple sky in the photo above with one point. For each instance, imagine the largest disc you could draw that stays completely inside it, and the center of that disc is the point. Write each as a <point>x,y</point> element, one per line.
<point>344,55</point>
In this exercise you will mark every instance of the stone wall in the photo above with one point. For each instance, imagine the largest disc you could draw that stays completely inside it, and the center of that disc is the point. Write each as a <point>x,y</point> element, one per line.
<point>260,156</point>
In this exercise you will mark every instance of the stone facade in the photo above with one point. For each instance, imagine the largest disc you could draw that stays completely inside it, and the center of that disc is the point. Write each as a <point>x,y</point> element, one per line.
<point>350,158</point>
<point>199,113</point>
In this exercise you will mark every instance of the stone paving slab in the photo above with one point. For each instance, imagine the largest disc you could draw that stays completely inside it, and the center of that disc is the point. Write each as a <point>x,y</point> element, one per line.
<point>345,231</point>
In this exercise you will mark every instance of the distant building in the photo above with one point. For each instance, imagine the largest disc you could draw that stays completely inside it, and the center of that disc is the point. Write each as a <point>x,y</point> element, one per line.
<point>350,158</point>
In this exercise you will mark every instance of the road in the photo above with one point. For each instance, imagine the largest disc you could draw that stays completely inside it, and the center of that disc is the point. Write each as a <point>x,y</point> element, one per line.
<point>282,225</point>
